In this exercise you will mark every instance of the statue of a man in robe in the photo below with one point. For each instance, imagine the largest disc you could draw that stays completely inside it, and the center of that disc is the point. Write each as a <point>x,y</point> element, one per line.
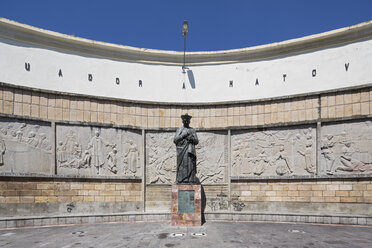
<point>185,140</point>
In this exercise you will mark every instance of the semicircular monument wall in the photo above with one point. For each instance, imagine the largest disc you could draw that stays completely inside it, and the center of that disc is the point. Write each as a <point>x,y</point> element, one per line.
<point>86,128</point>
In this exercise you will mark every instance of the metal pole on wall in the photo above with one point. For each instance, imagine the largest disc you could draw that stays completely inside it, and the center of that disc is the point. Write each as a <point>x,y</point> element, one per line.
<point>185,32</point>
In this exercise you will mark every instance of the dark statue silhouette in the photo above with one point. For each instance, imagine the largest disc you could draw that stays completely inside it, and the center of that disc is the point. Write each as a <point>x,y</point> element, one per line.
<point>185,140</point>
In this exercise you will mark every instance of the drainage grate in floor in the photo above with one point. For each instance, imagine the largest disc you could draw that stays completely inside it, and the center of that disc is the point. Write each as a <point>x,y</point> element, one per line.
<point>177,234</point>
<point>295,231</point>
<point>198,234</point>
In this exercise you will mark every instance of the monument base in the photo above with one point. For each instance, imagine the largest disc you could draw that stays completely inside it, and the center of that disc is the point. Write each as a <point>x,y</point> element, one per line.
<point>186,205</point>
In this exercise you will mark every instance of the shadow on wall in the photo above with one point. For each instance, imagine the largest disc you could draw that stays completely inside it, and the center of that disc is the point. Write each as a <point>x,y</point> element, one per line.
<point>190,75</point>
<point>203,201</point>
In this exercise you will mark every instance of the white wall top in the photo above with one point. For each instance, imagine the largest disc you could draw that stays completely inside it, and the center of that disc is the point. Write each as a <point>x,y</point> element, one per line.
<point>47,60</point>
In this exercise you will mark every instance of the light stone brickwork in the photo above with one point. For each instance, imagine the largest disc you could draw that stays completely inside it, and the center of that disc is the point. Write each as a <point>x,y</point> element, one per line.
<point>51,106</point>
<point>49,191</point>
<point>327,191</point>
<point>346,104</point>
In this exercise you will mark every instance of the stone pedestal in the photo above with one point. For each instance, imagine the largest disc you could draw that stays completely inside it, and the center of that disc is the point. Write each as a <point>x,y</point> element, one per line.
<point>186,205</point>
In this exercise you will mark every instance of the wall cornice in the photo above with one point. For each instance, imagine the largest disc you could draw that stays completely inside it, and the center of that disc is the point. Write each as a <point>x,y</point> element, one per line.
<point>44,38</point>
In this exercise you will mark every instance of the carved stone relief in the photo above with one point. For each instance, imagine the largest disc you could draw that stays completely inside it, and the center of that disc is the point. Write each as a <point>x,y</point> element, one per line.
<point>275,152</point>
<point>25,147</point>
<point>98,151</point>
<point>211,155</point>
<point>161,159</point>
<point>346,148</point>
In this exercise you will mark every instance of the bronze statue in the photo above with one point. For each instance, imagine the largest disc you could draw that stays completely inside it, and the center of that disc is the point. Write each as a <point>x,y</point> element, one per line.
<point>185,140</point>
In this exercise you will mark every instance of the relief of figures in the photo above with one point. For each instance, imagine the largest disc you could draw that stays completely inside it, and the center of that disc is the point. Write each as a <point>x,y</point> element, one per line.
<point>27,134</point>
<point>275,152</point>
<point>131,158</point>
<point>161,158</point>
<point>97,148</point>
<point>25,146</point>
<point>310,164</point>
<point>211,158</point>
<point>86,151</point>
<point>346,148</point>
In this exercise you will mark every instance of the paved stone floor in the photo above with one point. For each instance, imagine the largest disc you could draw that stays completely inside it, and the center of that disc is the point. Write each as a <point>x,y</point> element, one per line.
<point>211,234</point>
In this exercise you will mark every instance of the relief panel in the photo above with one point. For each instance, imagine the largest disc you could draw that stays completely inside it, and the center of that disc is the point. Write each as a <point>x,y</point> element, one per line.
<point>275,152</point>
<point>211,152</point>
<point>82,150</point>
<point>346,148</point>
<point>212,157</point>
<point>161,158</point>
<point>25,146</point>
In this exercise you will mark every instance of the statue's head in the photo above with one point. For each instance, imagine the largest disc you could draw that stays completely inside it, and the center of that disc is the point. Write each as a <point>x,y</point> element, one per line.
<point>186,119</point>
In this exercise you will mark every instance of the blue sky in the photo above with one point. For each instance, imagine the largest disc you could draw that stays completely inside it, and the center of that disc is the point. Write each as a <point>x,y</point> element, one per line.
<point>213,24</point>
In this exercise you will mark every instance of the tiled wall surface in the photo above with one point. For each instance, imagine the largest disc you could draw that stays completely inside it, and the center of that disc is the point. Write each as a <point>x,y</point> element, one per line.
<point>36,191</point>
<point>85,109</point>
<point>330,191</point>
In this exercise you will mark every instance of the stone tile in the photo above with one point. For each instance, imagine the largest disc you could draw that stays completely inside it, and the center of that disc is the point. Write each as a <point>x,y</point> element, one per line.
<point>356,109</point>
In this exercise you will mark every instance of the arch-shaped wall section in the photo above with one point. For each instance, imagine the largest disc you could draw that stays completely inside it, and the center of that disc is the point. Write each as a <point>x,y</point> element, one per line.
<point>327,61</point>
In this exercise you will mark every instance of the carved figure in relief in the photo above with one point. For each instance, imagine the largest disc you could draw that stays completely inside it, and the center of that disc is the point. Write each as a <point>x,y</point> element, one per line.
<point>85,161</point>
<point>2,151</point>
<point>44,143</point>
<point>259,163</point>
<point>308,153</point>
<point>282,163</point>
<point>61,154</point>
<point>70,142</point>
<point>348,162</point>
<point>131,157</point>
<point>97,146</point>
<point>3,131</point>
<point>12,132</point>
<point>19,132</point>
<point>327,150</point>
<point>185,140</point>
<point>32,139</point>
<point>112,160</point>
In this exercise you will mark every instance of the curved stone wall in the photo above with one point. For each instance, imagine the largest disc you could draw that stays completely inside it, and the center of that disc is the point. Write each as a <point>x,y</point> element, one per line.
<point>67,151</point>
<point>300,66</point>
